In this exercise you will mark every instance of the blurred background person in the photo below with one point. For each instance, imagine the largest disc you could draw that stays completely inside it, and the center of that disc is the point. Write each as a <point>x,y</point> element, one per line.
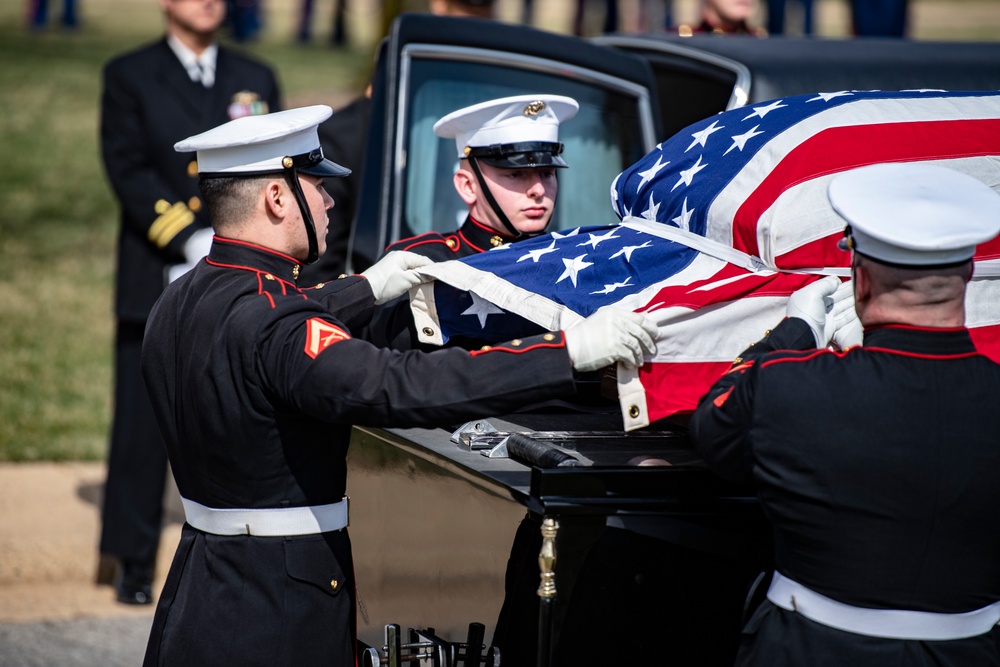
<point>244,19</point>
<point>723,17</point>
<point>776,16</point>
<point>38,14</point>
<point>879,18</point>
<point>181,84</point>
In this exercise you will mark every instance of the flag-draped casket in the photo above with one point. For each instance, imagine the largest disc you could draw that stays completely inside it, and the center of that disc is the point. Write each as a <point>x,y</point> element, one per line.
<point>719,224</point>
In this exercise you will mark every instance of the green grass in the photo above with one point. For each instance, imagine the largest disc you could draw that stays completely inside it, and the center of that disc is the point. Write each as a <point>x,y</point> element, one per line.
<point>58,220</point>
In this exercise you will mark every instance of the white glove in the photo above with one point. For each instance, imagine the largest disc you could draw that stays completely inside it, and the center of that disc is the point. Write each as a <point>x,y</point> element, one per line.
<point>610,336</point>
<point>847,329</point>
<point>196,247</point>
<point>814,304</point>
<point>393,275</point>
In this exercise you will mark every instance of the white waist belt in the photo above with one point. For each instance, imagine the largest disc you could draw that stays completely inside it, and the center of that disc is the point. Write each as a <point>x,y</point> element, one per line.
<point>884,623</point>
<point>275,522</point>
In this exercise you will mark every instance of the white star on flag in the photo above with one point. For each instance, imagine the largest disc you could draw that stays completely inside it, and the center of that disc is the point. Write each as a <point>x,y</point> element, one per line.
<point>608,289</point>
<point>573,267</point>
<point>701,137</point>
<point>688,174</point>
<point>760,112</point>
<point>684,219</point>
<point>650,213</point>
<point>650,173</point>
<point>534,255</point>
<point>572,232</point>
<point>482,309</point>
<point>595,239</point>
<point>740,140</point>
<point>826,97</point>
<point>629,249</point>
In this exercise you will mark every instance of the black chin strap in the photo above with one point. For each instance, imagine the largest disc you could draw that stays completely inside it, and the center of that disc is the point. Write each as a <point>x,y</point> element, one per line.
<point>292,178</point>
<point>492,201</point>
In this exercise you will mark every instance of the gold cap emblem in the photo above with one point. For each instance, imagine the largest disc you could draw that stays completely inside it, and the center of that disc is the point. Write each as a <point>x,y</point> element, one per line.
<point>467,150</point>
<point>534,108</point>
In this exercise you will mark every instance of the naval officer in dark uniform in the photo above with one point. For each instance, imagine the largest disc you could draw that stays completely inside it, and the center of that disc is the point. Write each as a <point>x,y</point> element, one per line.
<point>255,384</point>
<point>876,466</point>
<point>182,84</point>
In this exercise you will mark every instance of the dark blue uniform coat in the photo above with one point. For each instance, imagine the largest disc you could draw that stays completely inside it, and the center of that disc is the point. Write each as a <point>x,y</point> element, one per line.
<point>877,469</point>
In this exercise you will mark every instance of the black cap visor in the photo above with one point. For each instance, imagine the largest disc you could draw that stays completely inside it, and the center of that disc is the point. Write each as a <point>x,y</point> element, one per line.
<point>314,164</point>
<point>523,155</point>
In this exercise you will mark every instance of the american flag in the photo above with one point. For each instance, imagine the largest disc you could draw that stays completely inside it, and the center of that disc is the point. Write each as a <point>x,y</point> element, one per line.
<point>719,224</point>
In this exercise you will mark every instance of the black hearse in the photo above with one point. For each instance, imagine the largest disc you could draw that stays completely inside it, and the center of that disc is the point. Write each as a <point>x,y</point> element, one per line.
<point>551,535</point>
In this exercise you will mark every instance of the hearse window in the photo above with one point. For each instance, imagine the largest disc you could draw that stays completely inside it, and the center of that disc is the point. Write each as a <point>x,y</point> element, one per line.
<point>601,140</point>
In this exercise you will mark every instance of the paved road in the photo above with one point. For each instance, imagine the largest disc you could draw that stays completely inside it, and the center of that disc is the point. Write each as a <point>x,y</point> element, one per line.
<point>51,612</point>
<point>85,642</point>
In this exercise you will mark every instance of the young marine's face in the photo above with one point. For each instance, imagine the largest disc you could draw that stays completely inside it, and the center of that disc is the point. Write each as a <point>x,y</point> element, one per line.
<point>199,17</point>
<point>526,196</point>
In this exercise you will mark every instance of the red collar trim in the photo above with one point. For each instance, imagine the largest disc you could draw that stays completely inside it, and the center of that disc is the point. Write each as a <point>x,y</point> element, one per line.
<point>912,327</point>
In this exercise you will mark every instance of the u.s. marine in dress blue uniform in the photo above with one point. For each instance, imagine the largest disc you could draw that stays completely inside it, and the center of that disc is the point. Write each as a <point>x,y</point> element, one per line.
<point>256,383</point>
<point>508,151</point>
<point>256,398</point>
<point>876,467</point>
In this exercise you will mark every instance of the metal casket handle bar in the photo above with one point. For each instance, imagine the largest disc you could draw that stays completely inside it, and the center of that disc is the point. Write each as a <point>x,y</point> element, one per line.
<point>530,451</point>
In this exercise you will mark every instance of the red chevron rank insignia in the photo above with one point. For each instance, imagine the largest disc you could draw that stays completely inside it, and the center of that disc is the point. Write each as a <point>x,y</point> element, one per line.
<point>320,335</point>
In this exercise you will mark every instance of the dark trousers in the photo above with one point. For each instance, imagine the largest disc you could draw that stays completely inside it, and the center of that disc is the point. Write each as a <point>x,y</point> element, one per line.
<point>137,460</point>
<point>38,13</point>
<point>879,18</point>
<point>776,16</point>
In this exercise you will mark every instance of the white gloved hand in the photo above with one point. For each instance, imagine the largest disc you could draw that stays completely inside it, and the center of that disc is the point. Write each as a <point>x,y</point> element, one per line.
<point>393,275</point>
<point>195,248</point>
<point>814,304</point>
<point>610,336</point>
<point>198,245</point>
<point>847,329</point>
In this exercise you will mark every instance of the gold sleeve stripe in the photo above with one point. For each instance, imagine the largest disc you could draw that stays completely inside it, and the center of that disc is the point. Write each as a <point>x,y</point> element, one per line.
<point>170,223</point>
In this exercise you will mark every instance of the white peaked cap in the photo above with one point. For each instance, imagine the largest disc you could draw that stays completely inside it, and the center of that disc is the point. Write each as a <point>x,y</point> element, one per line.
<point>915,214</point>
<point>507,120</point>
<point>259,144</point>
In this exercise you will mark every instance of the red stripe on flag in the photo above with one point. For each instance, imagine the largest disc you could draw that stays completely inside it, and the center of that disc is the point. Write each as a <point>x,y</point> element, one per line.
<point>841,148</point>
<point>987,340</point>
<point>677,387</point>
<point>702,293</point>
